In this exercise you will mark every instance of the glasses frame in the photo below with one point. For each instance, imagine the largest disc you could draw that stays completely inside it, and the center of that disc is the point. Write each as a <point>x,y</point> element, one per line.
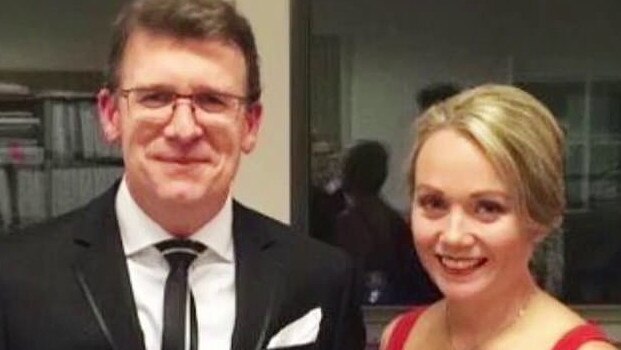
<point>240,101</point>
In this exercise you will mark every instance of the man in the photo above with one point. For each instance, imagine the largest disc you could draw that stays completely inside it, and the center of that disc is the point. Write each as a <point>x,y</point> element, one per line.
<point>166,259</point>
<point>376,235</point>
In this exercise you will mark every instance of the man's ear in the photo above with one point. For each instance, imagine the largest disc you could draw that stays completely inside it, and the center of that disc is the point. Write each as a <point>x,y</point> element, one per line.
<point>109,115</point>
<point>253,117</point>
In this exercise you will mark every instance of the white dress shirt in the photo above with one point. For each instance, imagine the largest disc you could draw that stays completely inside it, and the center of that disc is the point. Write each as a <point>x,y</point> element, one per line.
<point>211,276</point>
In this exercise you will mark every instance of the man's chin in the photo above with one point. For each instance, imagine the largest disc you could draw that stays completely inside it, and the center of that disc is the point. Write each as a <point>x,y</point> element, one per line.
<point>181,195</point>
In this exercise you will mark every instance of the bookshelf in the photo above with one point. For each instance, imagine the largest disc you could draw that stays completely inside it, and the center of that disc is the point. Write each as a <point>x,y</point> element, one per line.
<point>52,156</point>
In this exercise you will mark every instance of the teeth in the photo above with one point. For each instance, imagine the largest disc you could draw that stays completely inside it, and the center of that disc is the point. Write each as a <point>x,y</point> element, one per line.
<point>460,263</point>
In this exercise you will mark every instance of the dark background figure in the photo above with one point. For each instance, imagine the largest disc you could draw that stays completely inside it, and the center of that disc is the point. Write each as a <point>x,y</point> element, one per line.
<point>375,235</point>
<point>325,206</point>
<point>435,93</point>
<point>326,196</point>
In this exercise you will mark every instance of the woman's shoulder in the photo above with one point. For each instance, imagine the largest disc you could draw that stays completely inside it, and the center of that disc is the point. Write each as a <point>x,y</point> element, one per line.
<point>586,336</point>
<point>398,330</point>
<point>566,329</point>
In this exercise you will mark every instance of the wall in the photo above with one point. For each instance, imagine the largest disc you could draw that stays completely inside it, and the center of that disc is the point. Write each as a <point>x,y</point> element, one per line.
<point>264,178</point>
<point>55,35</point>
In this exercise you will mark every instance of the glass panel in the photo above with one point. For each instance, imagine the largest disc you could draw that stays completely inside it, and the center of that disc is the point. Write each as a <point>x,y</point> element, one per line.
<point>566,100</point>
<point>606,111</point>
<point>575,177</point>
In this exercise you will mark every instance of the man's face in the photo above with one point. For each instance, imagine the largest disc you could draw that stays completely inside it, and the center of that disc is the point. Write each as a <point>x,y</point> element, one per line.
<point>180,156</point>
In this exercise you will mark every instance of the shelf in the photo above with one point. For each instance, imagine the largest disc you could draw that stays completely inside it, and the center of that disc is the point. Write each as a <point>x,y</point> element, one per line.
<point>85,163</point>
<point>52,156</point>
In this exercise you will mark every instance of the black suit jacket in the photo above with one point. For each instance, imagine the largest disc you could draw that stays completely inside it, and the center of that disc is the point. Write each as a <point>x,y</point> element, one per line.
<point>64,285</point>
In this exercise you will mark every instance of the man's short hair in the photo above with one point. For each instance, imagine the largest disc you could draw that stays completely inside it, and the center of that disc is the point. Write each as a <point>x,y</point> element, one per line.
<point>191,19</point>
<point>365,168</point>
<point>435,93</point>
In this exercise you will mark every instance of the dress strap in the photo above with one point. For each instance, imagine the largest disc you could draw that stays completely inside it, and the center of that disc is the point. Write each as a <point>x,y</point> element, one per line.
<point>402,329</point>
<point>577,336</point>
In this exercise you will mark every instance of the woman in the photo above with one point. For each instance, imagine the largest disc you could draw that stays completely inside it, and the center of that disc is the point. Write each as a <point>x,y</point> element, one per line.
<point>486,176</point>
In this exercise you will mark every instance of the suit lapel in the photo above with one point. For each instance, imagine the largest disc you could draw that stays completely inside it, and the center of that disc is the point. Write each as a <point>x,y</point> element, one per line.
<point>101,272</point>
<point>258,281</point>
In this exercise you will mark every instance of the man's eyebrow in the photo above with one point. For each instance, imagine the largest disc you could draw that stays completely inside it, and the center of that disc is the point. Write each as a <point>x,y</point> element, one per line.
<point>426,187</point>
<point>153,86</point>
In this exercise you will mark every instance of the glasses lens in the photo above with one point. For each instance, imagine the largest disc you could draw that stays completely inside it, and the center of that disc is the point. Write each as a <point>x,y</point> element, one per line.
<point>159,104</point>
<point>153,99</point>
<point>214,103</point>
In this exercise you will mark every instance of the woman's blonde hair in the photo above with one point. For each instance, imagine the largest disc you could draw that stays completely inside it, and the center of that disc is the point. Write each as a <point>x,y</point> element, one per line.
<point>518,135</point>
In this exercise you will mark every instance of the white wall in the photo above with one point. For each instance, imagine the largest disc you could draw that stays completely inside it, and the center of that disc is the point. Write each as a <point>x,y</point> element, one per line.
<point>264,181</point>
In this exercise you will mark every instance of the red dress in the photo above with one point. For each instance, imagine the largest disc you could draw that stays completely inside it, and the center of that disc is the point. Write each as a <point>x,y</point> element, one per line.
<point>572,340</point>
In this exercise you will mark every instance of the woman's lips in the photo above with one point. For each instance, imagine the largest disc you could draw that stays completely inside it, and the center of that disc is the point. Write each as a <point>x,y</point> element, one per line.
<point>460,265</point>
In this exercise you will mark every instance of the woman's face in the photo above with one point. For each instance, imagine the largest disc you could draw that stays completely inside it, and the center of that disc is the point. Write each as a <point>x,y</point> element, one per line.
<point>467,230</point>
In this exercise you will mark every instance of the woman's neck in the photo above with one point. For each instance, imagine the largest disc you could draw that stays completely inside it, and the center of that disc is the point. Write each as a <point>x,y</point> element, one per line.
<point>471,323</point>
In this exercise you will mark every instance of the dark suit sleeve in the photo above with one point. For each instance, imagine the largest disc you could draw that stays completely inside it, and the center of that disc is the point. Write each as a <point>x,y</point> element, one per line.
<point>2,331</point>
<point>3,322</point>
<point>350,332</point>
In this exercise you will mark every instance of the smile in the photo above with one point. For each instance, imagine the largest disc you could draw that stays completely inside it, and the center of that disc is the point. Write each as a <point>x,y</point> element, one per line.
<point>181,160</point>
<point>460,265</point>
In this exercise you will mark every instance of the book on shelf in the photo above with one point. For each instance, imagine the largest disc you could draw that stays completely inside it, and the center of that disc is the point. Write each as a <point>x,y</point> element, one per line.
<point>10,90</point>
<point>30,195</point>
<point>89,127</point>
<point>5,203</point>
<point>74,187</point>
<point>19,124</point>
<point>18,152</point>
<point>93,143</point>
<point>71,127</point>
<point>57,133</point>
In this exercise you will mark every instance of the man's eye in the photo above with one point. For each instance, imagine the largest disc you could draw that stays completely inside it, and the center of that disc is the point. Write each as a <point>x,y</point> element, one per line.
<point>211,102</point>
<point>155,99</point>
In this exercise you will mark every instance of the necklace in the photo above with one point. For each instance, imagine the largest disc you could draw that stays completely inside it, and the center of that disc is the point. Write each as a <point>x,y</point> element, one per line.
<point>500,330</point>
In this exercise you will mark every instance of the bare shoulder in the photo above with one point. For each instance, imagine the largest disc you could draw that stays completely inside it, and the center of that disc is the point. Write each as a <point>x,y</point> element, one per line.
<point>597,345</point>
<point>564,318</point>
<point>561,320</point>
<point>425,316</point>
<point>387,332</point>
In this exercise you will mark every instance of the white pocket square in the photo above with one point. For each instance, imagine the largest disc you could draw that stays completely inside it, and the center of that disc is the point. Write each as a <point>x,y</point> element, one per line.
<point>302,331</point>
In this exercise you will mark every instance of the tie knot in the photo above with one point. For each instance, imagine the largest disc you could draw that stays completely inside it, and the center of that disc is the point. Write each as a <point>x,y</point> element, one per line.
<point>180,252</point>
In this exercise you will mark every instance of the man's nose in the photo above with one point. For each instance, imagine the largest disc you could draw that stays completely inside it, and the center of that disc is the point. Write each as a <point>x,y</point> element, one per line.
<point>183,125</point>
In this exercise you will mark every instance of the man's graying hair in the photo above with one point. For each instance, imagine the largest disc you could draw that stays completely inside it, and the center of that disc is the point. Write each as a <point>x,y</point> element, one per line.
<point>186,19</point>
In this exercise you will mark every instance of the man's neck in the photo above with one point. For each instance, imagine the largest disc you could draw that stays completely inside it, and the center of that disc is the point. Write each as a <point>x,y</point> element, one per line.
<point>181,219</point>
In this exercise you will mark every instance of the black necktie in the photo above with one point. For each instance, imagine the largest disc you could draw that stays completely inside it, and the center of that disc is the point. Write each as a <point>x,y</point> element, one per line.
<point>179,253</point>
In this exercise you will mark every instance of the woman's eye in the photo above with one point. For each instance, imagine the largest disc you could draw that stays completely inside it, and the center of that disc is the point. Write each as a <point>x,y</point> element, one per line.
<point>489,210</point>
<point>432,205</point>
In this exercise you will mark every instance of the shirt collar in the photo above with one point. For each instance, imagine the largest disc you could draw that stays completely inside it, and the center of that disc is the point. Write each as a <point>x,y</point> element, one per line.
<point>139,231</point>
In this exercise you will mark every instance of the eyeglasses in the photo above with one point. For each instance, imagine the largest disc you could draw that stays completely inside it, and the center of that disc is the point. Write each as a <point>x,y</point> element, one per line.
<point>159,104</point>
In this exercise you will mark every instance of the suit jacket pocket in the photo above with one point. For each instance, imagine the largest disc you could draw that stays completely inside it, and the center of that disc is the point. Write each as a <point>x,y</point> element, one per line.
<point>311,346</point>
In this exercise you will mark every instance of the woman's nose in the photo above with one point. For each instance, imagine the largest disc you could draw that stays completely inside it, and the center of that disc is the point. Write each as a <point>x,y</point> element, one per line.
<point>456,230</point>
